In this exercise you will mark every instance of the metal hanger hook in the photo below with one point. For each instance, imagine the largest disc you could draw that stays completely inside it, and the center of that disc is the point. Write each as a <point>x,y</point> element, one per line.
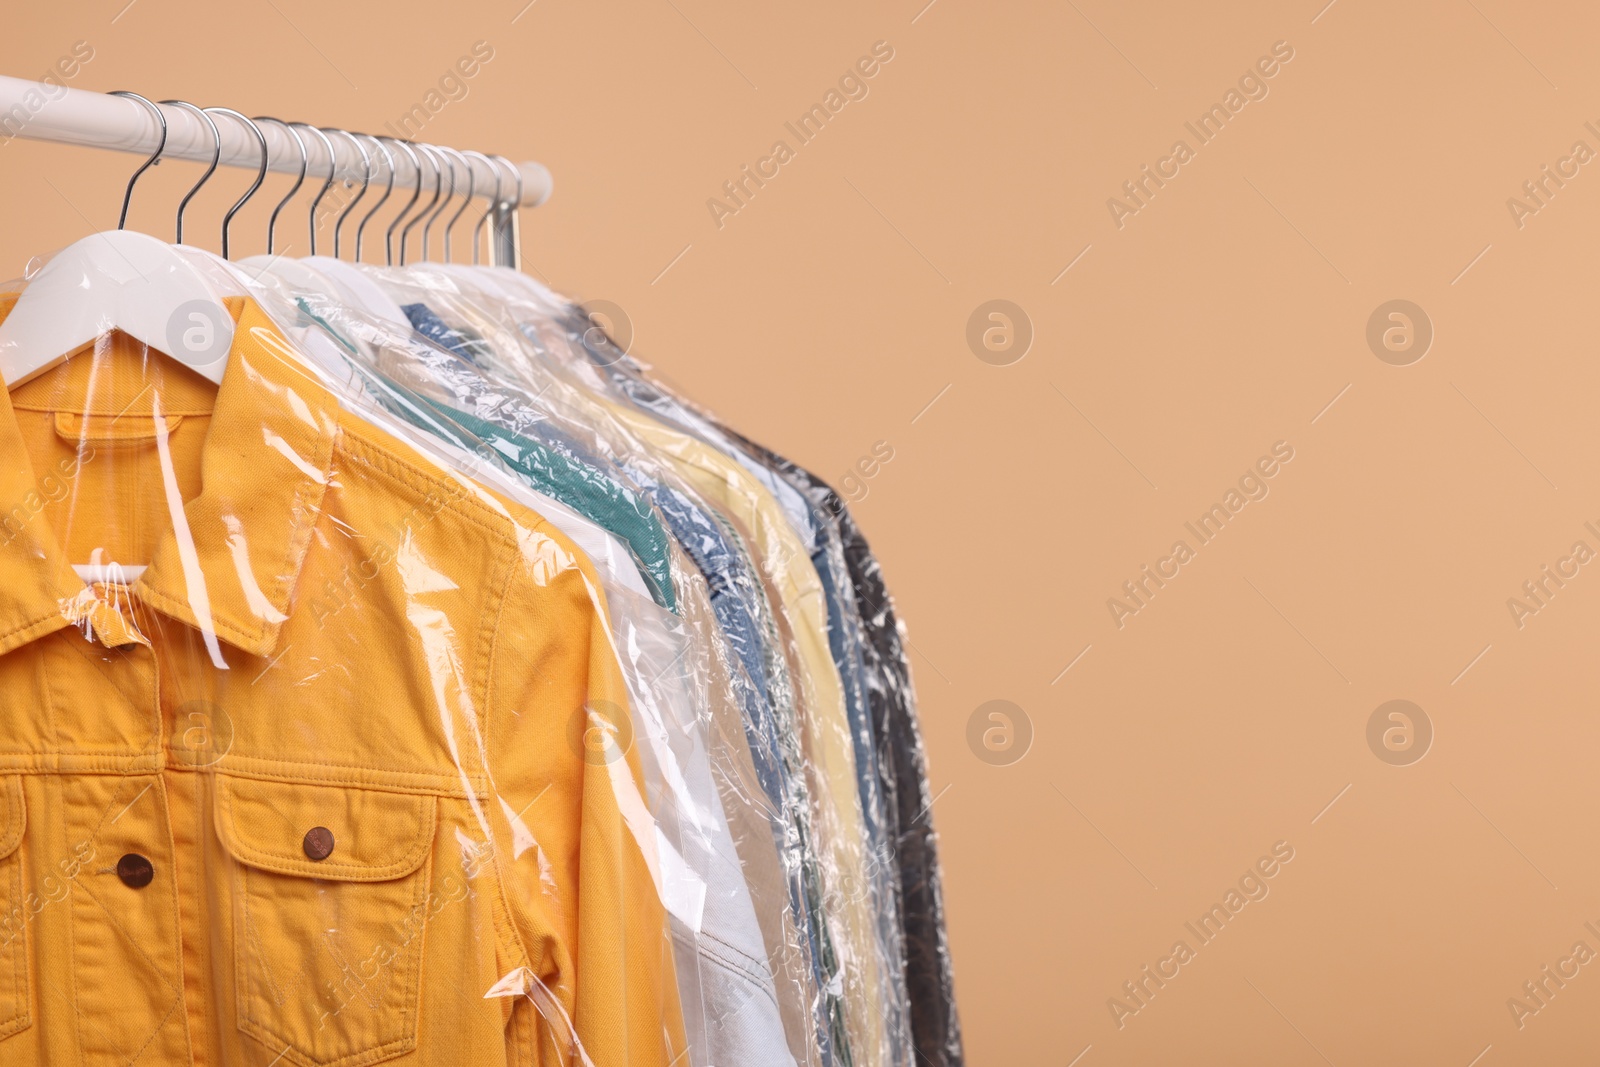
<point>261,172</point>
<point>305,160</point>
<point>516,172</point>
<point>333,166</point>
<point>477,227</point>
<point>388,158</point>
<point>416,191</point>
<point>427,227</point>
<point>127,197</point>
<point>512,217</point>
<point>472,188</point>
<point>438,181</point>
<point>366,180</point>
<point>216,157</point>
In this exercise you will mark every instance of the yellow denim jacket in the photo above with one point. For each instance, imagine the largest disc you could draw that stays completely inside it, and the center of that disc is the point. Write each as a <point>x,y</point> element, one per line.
<point>322,786</point>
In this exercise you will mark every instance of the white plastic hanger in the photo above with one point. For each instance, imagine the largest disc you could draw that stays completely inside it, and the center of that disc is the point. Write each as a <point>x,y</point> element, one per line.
<point>109,573</point>
<point>119,280</point>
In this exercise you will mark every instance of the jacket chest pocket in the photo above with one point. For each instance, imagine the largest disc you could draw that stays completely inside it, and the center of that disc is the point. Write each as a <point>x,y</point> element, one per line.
<point>329,895</point>
<point>17,908</point>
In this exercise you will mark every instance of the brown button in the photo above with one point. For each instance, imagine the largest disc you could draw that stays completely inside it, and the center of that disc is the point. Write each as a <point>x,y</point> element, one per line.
<point>135,871</point>
<point>318,843</point>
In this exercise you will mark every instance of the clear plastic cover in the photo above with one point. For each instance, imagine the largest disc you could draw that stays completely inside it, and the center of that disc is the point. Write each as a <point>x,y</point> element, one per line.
<point>393,672</point>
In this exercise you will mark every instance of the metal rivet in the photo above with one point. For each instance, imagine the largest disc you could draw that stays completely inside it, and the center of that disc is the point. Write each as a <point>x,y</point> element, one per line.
<point>135,871</point>
<point>318,842</point>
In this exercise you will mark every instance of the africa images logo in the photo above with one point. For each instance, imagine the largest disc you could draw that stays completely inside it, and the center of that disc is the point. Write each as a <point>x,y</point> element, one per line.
<point>1252,86</point>
<point>1252,886</point>
<point>1253,485</point>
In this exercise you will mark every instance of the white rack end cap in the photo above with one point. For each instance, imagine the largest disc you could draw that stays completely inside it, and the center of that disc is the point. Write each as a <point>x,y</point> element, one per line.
<point>537,183</point>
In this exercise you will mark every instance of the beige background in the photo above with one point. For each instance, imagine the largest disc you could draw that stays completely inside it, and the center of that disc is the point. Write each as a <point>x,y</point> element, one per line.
<point>1229,313</point>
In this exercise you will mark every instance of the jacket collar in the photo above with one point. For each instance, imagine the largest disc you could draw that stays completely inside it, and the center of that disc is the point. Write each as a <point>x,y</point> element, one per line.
<point>230,566</point>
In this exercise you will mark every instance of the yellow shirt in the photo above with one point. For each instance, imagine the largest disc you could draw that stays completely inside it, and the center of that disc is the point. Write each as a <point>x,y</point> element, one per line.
<point>322,787</point>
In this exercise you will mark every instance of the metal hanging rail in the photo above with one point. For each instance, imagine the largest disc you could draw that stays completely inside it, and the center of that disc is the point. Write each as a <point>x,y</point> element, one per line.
<point>36,111</point>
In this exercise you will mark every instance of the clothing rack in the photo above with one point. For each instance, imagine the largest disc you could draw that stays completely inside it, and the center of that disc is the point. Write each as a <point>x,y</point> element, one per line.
<point>37,111</point>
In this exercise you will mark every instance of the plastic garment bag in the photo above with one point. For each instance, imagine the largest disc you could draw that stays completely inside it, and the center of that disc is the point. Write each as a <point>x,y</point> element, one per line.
<point>861,955</point>
<point>740,961</point>
<point>820,533</point>
<point>901,767</point>
<point>742,608</point>
<point>349,771</point>
<point>910,844</point>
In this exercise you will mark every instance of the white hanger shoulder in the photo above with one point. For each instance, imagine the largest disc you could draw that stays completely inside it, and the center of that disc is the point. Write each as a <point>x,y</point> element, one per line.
<point>292,273</point>
<point>118,280</point>
<point>363,291</point>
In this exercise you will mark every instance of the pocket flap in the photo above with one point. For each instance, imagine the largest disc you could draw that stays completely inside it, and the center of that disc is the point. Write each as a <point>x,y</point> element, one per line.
<point>13,816</point>
<point>367,835</point>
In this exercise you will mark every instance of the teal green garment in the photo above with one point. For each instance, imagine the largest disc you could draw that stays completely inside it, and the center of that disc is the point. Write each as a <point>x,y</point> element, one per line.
<point>590,492</point>
<point>627,515</point>
<point>585,488</point>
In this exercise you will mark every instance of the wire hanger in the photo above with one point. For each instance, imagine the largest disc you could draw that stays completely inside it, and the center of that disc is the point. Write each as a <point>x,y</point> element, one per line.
<point>388,236</point>
<point>308,274</point>
<point>261,173</point>
<point>477,227</point>
<point>333,168</point>
<point>427,227</point>
<point>388,158</point>
<point>161,146</point>
<point>366,180</point>
<point>438,175</point>
<point>472,188</point>
<point>216,157</point>
<point>513,218</point>
<point>473,278</point>
<point>305,160</point>
<point>359,290</point>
